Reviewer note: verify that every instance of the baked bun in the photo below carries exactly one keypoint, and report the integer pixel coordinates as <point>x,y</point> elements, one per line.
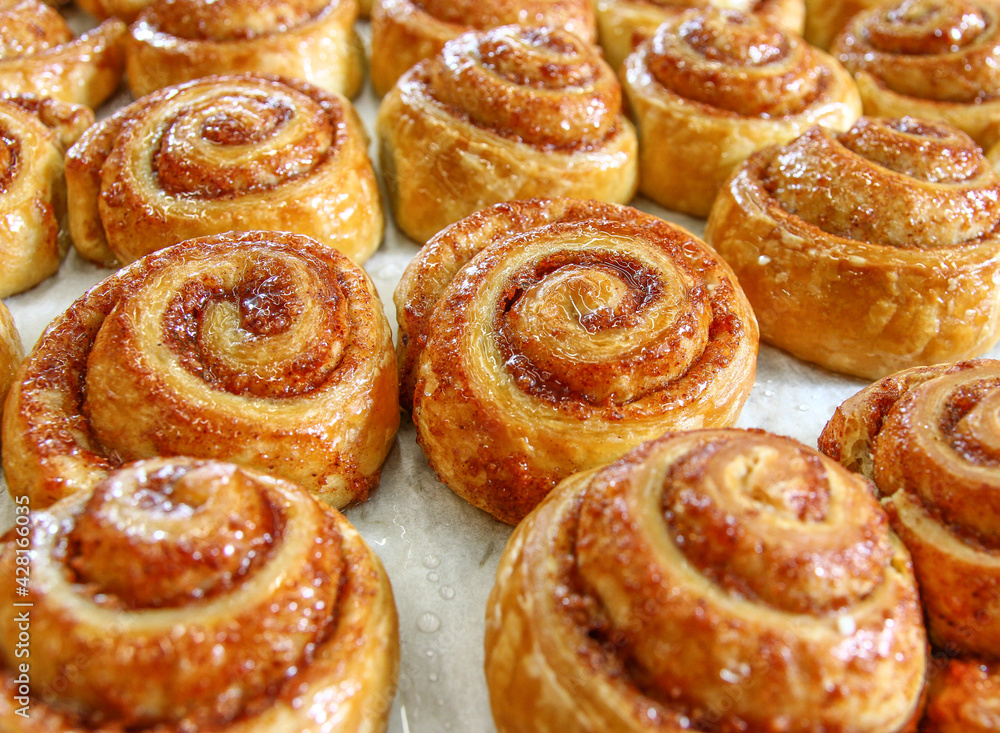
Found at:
<point>196,596</point>
<point>34,235</point>
<point>623,24</point>
<point>40,56</point>
<point>712,86</point>
<point>219,154</point>
<point>714,581</point>
<point>405,32</point>
<point>11,353</point>
<point>265,348</point>
<point>869,251</point>
<point>934,59</point>
<point>174,41</point>
<point>505,114</point>
<point>545,337</point>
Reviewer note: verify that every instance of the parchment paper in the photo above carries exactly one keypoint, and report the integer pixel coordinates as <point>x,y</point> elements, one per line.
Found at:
<point>441,554</point>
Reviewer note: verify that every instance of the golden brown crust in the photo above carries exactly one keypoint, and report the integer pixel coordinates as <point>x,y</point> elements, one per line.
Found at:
<point>712,86</point>
<point>505,114</point>
<point>174,41</point>
<point>826,18</point>
<point>932,59</point>
<point>198,596</point>
<point>405,32</point>
<point>34,237</point>
<point>928,438</point>
<point>265,348</point>
<point>219,154</point>
<point>11,353</point>
<point>38,55</point>
<point>623,24</point>
<point>712,581</point>
<point>963,698</point>
<point>569,338</point>
<point>868,251</point>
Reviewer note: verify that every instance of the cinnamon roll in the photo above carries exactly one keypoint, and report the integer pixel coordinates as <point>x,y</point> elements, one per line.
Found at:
<point>11,353</point>
<point>579,330</point>
<point>714,581</point>
<point>506,114</point>
<point>34,237</point>
<point>39,55</point>
<point>623,24</point>
<point>219,154</point>
<point>712,86</point>
<point>264,348</point>
<point>868,251</point>
<point>405,32</point>
<point>181,595</point>
<point>826,18</point>
<point>934,59</point>
<point>174,41</point>
<point>929,438</point>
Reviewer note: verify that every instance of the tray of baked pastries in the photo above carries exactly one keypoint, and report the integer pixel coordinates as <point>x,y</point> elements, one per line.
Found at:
<point>504,366</point>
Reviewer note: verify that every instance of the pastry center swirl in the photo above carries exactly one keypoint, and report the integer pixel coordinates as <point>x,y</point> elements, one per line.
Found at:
<point>233,144</point>
<point>230,20</point>
<point>599,327</point>
<point>918,27</point>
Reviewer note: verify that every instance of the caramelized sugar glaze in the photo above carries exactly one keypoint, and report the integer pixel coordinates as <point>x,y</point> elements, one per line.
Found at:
<point>541,337</point>
<point>715,581</point>
<point>181,595</point>
<point>261,347</point>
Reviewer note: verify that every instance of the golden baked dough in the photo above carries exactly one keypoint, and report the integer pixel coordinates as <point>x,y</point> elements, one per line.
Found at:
<point>714,581</point>
<point>405,32</point>
<point>506,114</point>
<point>34,237</point>
<point>127,10</point>
<point>219,154</point>
<point>39,55</point>
<point>622,24</point>
<point>929,437</point>
<point>579,330</point>
<point>263,348</point>
<point>932,59</point>
<point>174,41</point>
<point>869,251</point>
<point>11,353</point>
<point>195,596</point>
<point>712,86</point>
<point>826,18</point>
<point>963,698</point>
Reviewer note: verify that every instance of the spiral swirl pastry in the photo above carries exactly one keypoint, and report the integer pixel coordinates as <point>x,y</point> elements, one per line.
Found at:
<point>826,18</point>
<point>929,437</point>
<point>405,32</point>
<point>623,24</point>
<point>182,595</point>
<point>220,154</point>
<point>174,41</point>
<point>510,113</point>
<point>869,251</point>
<point>11,353</point>
<point>579,330</point>
<point>34,237</point>
<point>933,59</point>
<point>712,86</point>
<point>715,580</point>
<point>264,348</point>
<point>39,55</point>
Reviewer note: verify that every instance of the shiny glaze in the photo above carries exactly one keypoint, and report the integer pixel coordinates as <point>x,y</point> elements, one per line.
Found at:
<point>39,55</point>
<point>693,584</point>
<point>562,345</point>
<point>174,41</point>
<point>209,598</point>
<point>262,347</point>
<point>222,153</point>
<point>11,353</point>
